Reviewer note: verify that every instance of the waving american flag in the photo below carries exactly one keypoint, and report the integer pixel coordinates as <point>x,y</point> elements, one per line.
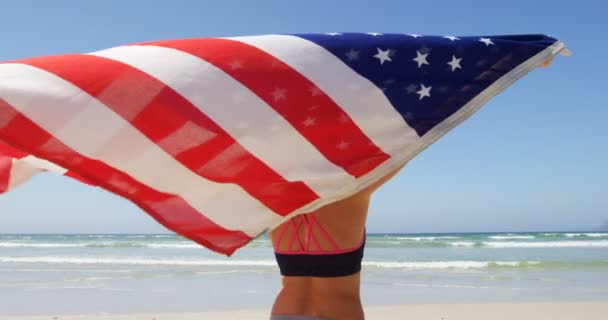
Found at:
<point>222,139</point>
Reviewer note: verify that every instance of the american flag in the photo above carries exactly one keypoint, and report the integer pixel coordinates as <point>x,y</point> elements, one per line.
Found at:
<point>223,139</point>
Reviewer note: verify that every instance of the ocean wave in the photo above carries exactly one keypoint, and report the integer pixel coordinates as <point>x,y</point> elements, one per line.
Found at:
<point>371,243</point>
<point>455,264</point>
<point>11,237</point>
<point>473,264</point>
<point>100,236</point>
<point>596,234</point>
<point>142,261</point>
<point>548,244</point>
<point>424,238</point>
<point>462,243</point>
<point>40,245</point>
<point>508,237</point>
<point>519,244</point>
<point>117,244</point>
<point>174,245</point>
<point>591,235</point>
<point>265,263</point>
<point>451,264</point>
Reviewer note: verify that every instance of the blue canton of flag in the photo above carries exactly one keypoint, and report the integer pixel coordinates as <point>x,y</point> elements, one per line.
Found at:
<point>429,78</point>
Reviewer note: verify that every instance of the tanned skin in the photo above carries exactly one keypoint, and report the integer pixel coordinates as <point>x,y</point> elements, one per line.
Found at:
<point>336,297</point>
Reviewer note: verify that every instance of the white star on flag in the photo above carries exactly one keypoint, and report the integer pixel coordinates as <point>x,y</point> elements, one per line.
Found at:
<point>342,118</point>
<point>421,58</point>
<point>314,91</point>
<point>411,88</point>
<point>452,38</point>
<point>414,35</point>
<point>236,65</point>
<point>352,55</point>
<point>487,41</point>
<point>424,91</point>
<point>455,63</point>
<point>375,34</point>
<point>279,94</point>
<point>342,145</point>
<point>383,55</point>
<point>310,121</point>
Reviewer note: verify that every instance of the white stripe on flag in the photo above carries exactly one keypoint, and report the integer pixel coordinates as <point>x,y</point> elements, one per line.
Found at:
<point>43,164</point>
<point>24,168</point>
<point>21,171</point>
<point>365,103</point>
<point>244,115</point>
<point>92,129</point>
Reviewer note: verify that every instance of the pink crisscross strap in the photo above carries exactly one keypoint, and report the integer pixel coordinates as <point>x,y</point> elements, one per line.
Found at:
<point>309,222</point>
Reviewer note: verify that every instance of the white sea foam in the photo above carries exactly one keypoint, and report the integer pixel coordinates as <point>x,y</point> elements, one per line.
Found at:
<point>426,238</point>
<point>508,237</point>
<point>462,244</point>
<point>592,235</point>
<point>588,234</point>
<point>381,242</point>
<point>547,244</point>
<point>432,285</point>
<point>40,245</point>
<point>105,244</point>
<point>174,245</point>
<point>263,263</point>
<point>137,261</point>
<point>448,264</point>
<point>9,236</point>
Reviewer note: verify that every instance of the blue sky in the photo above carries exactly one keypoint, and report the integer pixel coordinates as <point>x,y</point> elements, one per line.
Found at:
<point>533,158</point>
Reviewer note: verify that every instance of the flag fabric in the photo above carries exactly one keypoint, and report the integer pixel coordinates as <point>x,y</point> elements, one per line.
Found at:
<point>17,167</point>
<point>223,139</point>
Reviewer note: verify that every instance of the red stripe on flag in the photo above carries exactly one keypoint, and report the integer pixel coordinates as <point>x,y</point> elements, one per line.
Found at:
<point>5,172</point>
<point>75,176</point>
<point>169,210</point>
<point>158,111</point>
<point>7,150</point>
<point>293,96</point>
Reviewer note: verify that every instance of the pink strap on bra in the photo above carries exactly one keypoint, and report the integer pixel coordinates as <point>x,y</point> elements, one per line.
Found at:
<point>309,222</point>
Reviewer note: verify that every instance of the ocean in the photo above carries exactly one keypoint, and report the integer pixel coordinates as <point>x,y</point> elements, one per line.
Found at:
<point>124,273</point>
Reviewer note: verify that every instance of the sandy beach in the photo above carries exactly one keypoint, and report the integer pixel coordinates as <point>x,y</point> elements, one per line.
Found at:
<point>496,311</point>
